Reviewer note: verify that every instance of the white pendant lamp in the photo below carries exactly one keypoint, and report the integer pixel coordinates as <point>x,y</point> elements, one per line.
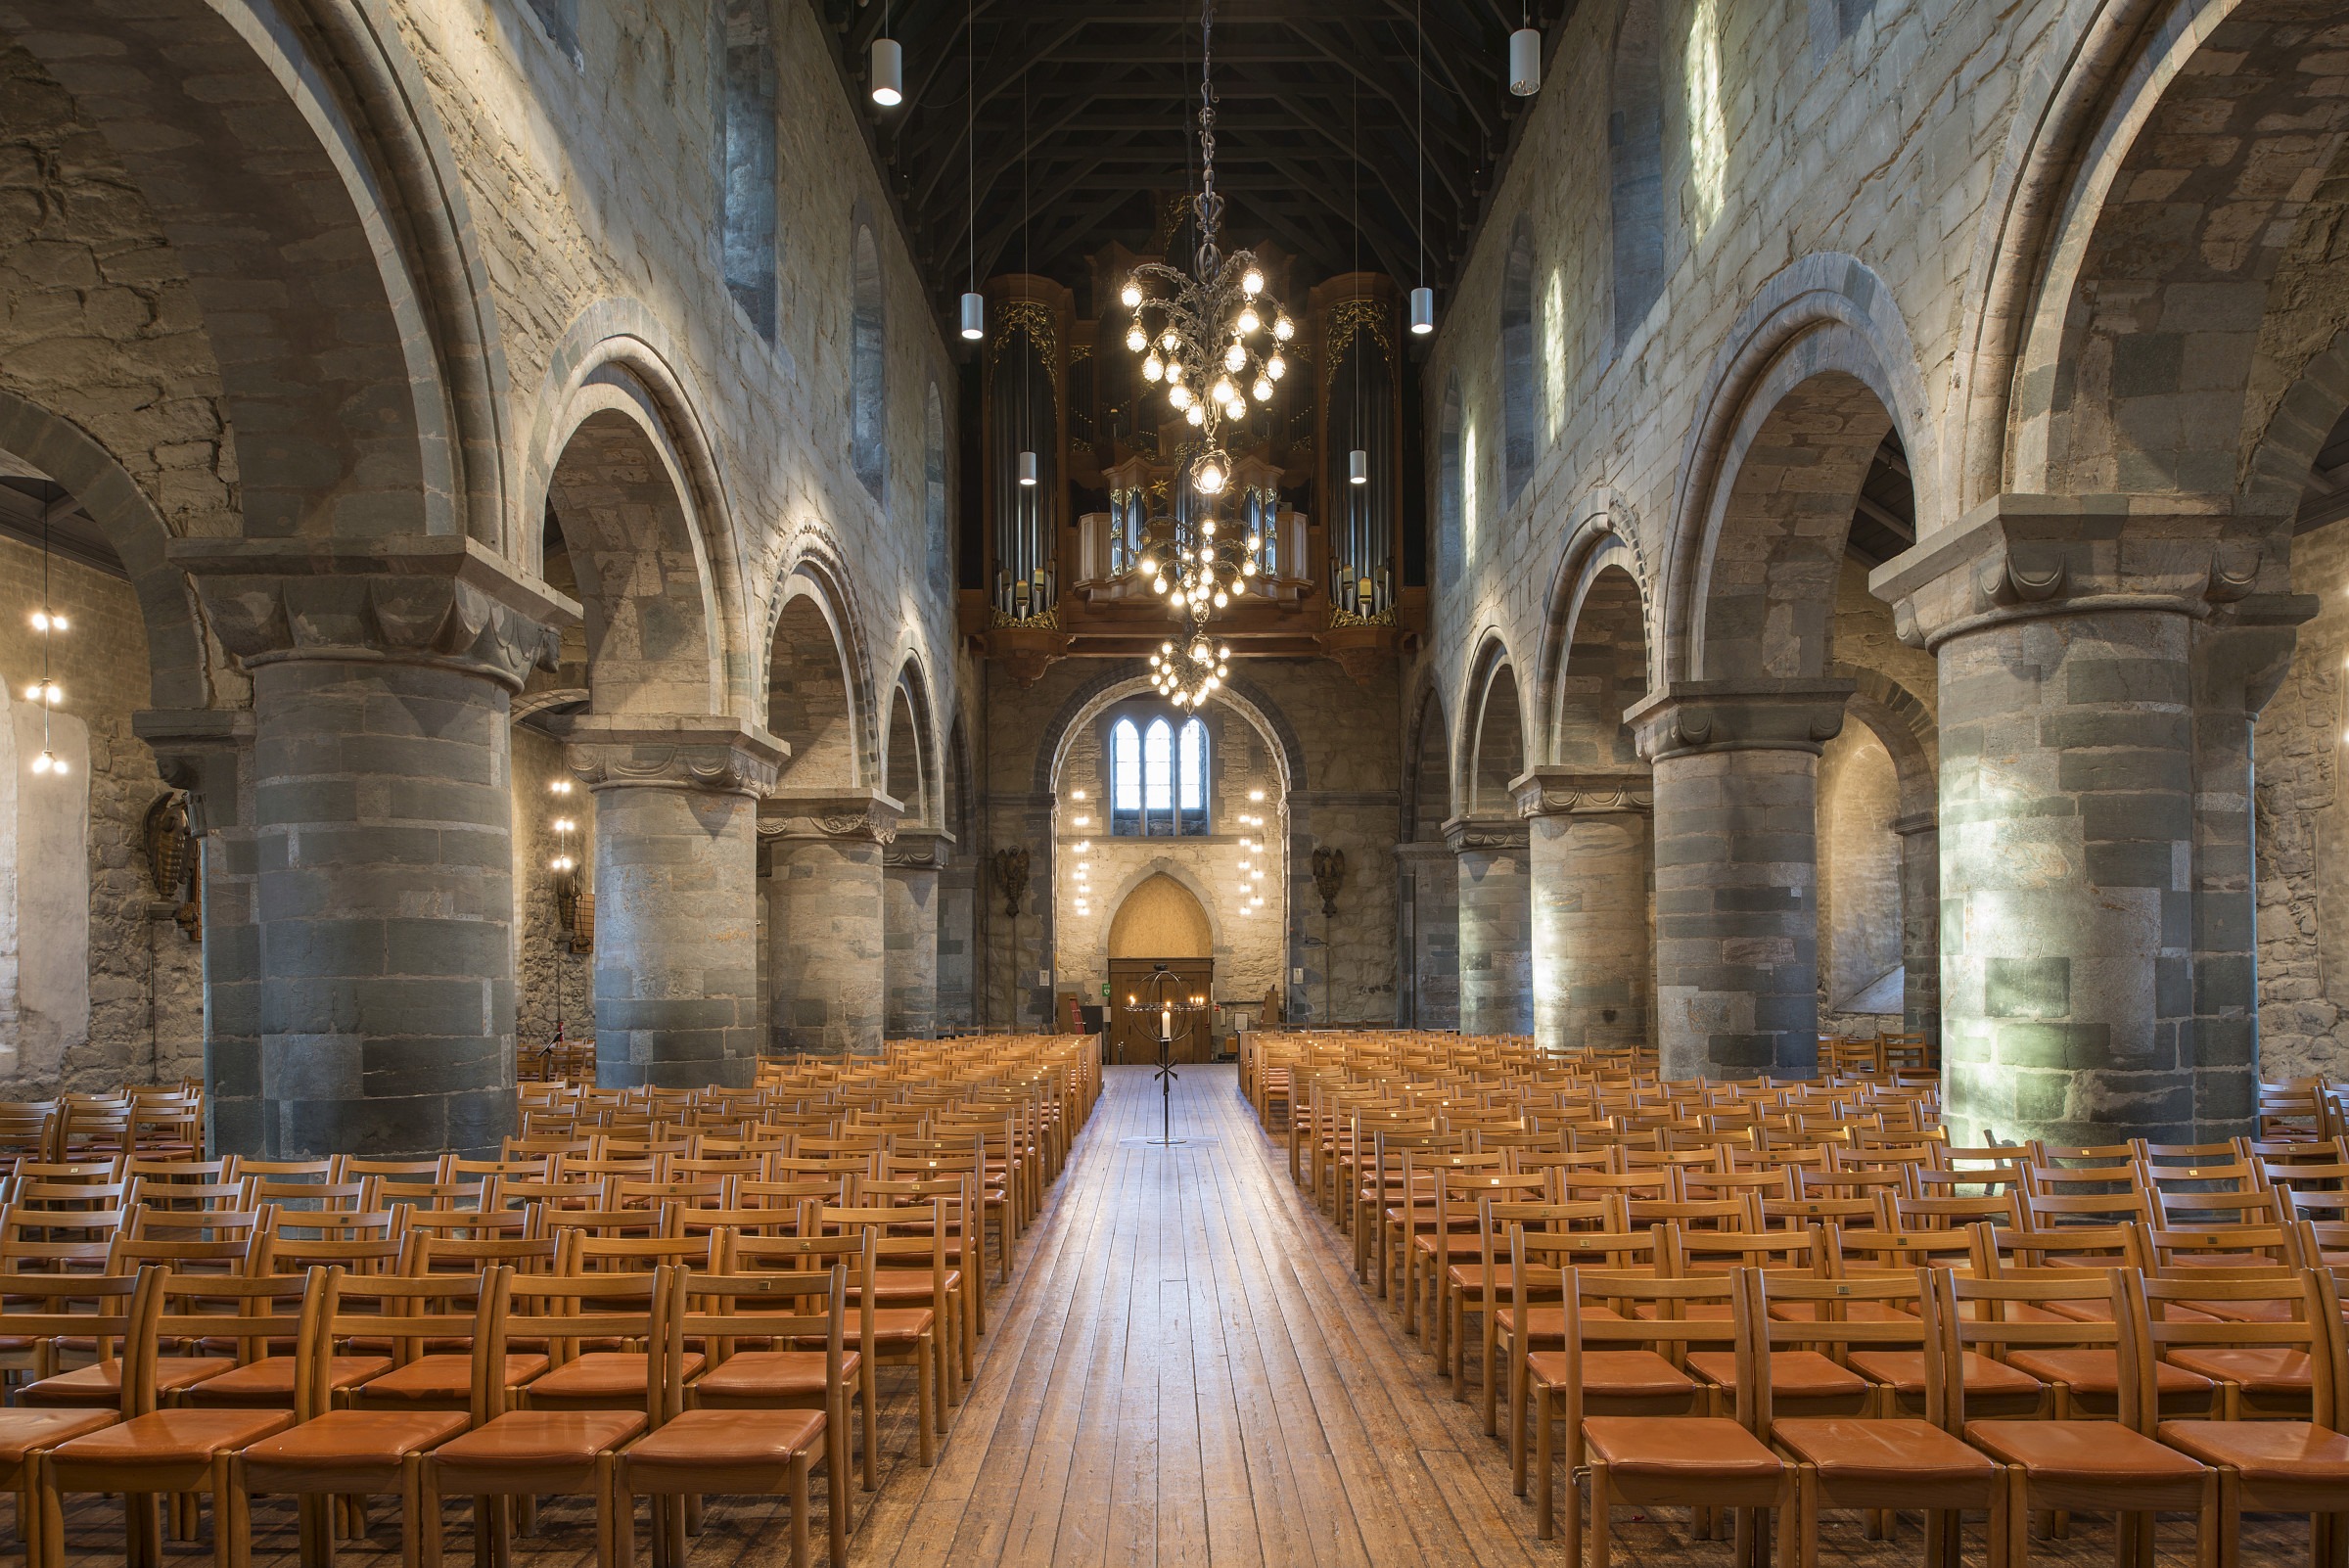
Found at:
<point>1028,469</point>
<point>1525,61</point>
<point>974,316</point>
<point>1357,467</point>
<point>1423,297</point>
<point>888,73</point>
<point>1423,312</point>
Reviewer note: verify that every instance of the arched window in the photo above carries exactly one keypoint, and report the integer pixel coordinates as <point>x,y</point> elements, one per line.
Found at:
<point>1636,152</point>
<point>1520,408</point>
<point>934,489</point>
<point>1158,779</point>
<point>869,395</point>
<point>1450,486</point>
<point>747,128</point>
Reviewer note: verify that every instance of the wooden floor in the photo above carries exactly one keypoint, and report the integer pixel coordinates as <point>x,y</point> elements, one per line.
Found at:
<point>1184,1373</point>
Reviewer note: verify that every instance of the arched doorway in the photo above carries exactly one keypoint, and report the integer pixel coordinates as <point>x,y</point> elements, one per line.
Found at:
<point>1161,924</point>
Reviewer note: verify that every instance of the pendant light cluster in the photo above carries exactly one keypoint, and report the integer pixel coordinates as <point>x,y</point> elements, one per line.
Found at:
<point>50,626</point>
<point>1188,674</point>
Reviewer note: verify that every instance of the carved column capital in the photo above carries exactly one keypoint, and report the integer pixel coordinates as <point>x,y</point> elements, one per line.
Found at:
<point>1489,834</point>
<point>919,849</point>
<point>848,814</point>
<point>2018,556</point>
<point>1421,851</point>
<point>425,599</point>
<point>1734,715</point>
<point>206,752</point>
<point>1582,792</point>
<point>693,752</point>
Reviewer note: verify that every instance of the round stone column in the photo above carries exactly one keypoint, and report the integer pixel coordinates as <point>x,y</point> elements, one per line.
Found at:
<point>957,944</point>
<point>909,921</point>
<point>1588,839</point>
<point>676,914</point>
<point>1430,934</point>
<point>1496,953</point>
<point>1736,857</point>
<point>826,932</point>
<point>2082,910</point>
<point>1920,925</point>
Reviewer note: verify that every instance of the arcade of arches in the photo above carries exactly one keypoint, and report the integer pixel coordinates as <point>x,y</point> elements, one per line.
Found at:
<point>1863,548</point>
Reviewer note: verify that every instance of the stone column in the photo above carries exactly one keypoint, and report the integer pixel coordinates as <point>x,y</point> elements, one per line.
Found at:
<point>825,930</point>
<point>1588,841</point>
<point>2071,914</point>
<point>957,944</point>
<point>1920,924</point>
<point>208,752</point>
<point>383,672</point>
<point>676,911</point>
<point>1430,929</point>
<point>1496,991</point>
<point>909,922</point>
<point>1737,794</point>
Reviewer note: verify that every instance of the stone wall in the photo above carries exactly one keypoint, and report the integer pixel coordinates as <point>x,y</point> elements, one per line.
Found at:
<point>540,952</point>
<point>146,1015</point>
<point>1859,886</point>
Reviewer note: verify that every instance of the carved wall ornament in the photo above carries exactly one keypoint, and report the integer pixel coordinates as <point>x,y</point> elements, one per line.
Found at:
<point>1575,792</point>
<point>840,814</point>
<point>722,756</point>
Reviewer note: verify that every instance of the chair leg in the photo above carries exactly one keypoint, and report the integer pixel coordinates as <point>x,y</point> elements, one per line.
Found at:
<point>1516,1419</point>
<point>2018,1518</point>
<point>614,1546</point>
<point>865,1377</point>
<point>1602,1506</point>
<point>836,1461</point>
<point>924,1408</point>
<point>798,1512</point>
<point>837,1546</point>
<point>2207,1544</point>
<point>1489,1333</point>
<point>413,1545</point>
<point>1544,1527</point>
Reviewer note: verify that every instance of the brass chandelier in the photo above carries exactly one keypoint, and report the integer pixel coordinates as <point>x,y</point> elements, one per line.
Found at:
<point>1214,339</point>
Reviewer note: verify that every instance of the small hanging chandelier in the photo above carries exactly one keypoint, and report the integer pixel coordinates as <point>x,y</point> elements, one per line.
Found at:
<point>1210,337</point>
<point>1187,673</point>
<point>50,624</point>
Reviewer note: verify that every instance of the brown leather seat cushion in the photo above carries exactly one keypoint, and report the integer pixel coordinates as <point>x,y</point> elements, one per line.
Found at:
<point>771,1374</point>
<point>2080,1452</point>
<point>445,1378</point>
<point>1793,1374</point>
<point>166,1437</point>
<point>531,1440</point>
<point>269,1383</point>
<point>2098,1372</point>
<point>717,1451</point>
<point>101,1382</point>
<point>1853,1446</point>
<point>1623,1374</point>
<point>900,1324</point>
<point>357,1445</point>
<point>1692,1447</point>
<point>1904,1372</point>
<point>2273,1452</point>
<point>2259,1368</point>
<point>602,1375</point>
<point>24,1431</point>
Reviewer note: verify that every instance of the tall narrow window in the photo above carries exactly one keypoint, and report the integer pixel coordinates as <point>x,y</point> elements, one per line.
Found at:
<point>747,127</point>
<point>1636,152</point>
<point>1451,485</point>
<point>933,489</point>
<point>1519,405</point>
<point>1125,779</point>
<point>1190,795</point>
<point>868,402</point>
<point>1158,778</point>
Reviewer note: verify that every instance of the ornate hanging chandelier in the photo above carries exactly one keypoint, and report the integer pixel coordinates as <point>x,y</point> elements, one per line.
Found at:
<point>1212,338</point>
<point>1186,673</point>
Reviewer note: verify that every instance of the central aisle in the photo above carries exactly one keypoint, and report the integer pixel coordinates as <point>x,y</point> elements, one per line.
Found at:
<point>1188,1373</point>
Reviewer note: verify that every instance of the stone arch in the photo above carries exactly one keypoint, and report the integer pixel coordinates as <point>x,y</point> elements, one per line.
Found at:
<point>816,698</point>
<point>1598,601</point>
<point>868,366</point>
<point>1167,894</point>
<point>1817,369</point>
<point>954,784</point>
<point>1426,768</point>
<point>1635,162</point>
<point>1120,683</point>
<point>1491,748</point>
<point>179,655</point>
<point>2158,224</point>
<point>1905,725</point>
<point>304,182</point>
<point>909,752</point>
<point>1520,389</point>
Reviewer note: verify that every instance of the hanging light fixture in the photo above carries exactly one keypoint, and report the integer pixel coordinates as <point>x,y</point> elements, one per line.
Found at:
<point>1357,467</point>
<point>1423,297</point>
<point>889,66</point>
<point>974,304</point>
<point>1028,469</point>
<point>1524,57</point>
<point>49,623</point>
<point>1188,672</point>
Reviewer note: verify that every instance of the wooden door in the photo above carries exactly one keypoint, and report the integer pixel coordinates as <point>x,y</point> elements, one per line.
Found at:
<point>1134,1025</point>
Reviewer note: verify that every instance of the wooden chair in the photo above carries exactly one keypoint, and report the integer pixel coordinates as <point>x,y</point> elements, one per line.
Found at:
<point>159,1450</point>
<point>339,1452</point>
<point>912,1330</point>
<point>42,1309</point>
<point>2111,1467</point>
<point>787,1377</point>
<point>1535,1276</point>
<point>533,1452</point>
<point>755,1449</point>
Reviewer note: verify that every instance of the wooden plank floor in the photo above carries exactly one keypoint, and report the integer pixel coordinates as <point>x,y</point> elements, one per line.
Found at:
<point>1184,1373</point>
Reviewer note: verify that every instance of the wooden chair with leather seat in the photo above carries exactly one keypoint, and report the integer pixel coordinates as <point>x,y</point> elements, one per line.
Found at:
<point>337,1451</point>
<point>2298,1463</point>
<point>2066,1463</point>
<point>917,1197</point>
<point>780,1376</point>
<point>1485,1286</point>
<point>726,1448</point>
<point>1450,1255</point>
<point>1628,1411</point>
<point>39,1309</point>
<point>909,1328</point>
<point>168,1450</point>
<point>1877,1460</point>
<point>1533,1321</point>
<point>523,1454</point>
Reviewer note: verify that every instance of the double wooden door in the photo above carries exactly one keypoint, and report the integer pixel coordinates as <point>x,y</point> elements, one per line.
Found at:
<point>1134,1024</point>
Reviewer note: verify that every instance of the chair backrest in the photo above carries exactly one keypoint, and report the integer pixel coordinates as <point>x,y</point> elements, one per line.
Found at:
<point>2293,1310</point>
<point>106,1308</point>
<point>572,1311</point>
<point>1975,1314</point>
<point>1670,1317</point>
<point>1822,1320</point>
<point>414,1316</point>
<point>717,1309</point>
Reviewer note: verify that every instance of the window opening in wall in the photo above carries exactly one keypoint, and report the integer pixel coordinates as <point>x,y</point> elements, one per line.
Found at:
<point>748,197</point>
<point>1635,154</point>
<point>1191,774</point>
<point>868,413</point>
<point>1158,779</point>
<point>1450,487</point>
<point>558,19</point>
<point>1125,779</point>
<point>1520,437</point>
